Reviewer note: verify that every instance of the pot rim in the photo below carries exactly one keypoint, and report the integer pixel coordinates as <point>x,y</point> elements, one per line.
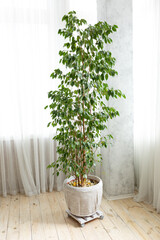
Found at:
<point>83,189</point>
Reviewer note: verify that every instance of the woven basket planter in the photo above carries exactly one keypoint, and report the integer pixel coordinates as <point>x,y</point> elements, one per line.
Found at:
<point>83,201</point>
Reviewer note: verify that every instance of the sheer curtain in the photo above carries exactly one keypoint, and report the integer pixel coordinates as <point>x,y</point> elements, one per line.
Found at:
<point>29,47</point>
<point>28,53</point>
<point>147,99</point>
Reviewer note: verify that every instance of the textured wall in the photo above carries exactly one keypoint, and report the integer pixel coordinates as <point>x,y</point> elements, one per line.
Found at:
<point>117,171</point>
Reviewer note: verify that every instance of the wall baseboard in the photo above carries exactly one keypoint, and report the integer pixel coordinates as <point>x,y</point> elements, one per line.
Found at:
<point>130,195</point>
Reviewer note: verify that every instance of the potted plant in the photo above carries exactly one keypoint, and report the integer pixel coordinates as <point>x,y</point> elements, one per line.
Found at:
<point>78,109</point>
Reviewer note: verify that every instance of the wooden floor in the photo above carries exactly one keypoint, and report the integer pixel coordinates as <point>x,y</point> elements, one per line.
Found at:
<point>43,217</point>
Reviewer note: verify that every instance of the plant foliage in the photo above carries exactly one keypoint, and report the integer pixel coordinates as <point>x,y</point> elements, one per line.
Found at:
<point>77,108</point>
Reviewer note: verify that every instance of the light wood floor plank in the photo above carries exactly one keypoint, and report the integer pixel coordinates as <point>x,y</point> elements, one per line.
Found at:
<point>149,208</point>
<point>143,218</point>
<point>95,230</point>
<point>37,229</point>
<point>14,219</point>
<point>47,218</point>
<point>120,231</point>
<point>109,226</point>
<point>61,227</point>
<point>122,211</point>
<point>4,216</point>
<point>44,217</point>
<point>25,218</point>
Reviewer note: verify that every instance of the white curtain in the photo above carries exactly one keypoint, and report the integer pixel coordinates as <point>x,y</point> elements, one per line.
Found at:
<point>29,46</point>
<point>28,53</point>
<point>146,52</point>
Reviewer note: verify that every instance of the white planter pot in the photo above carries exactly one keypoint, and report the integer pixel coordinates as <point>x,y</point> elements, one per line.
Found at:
<point>83,201</point>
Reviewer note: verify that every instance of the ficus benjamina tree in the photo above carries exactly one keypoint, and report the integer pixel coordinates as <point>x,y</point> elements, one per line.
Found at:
<point>77,108</point>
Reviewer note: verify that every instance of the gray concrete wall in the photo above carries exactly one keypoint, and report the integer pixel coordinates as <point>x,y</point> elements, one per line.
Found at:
<point>117,169</point>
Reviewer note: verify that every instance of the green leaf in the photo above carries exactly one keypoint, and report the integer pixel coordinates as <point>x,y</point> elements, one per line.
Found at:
<point>65,18</point>
<point>66,45</point>
<point>48,124</point>
<point>106,76</point>
<point>114,28</point>
<point>83,21</point>
<point>102,76</point>
<point>107,96</point>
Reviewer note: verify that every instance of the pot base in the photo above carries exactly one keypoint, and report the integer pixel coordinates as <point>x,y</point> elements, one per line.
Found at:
<point>83,220</point>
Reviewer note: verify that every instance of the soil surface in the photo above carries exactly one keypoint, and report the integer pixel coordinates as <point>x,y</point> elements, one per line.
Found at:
<point>87,183</point>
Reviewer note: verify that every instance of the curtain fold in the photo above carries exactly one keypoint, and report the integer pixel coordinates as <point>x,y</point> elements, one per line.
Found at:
<point>147,100</point>
<point>29,48</point>
<point>23,166</point>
